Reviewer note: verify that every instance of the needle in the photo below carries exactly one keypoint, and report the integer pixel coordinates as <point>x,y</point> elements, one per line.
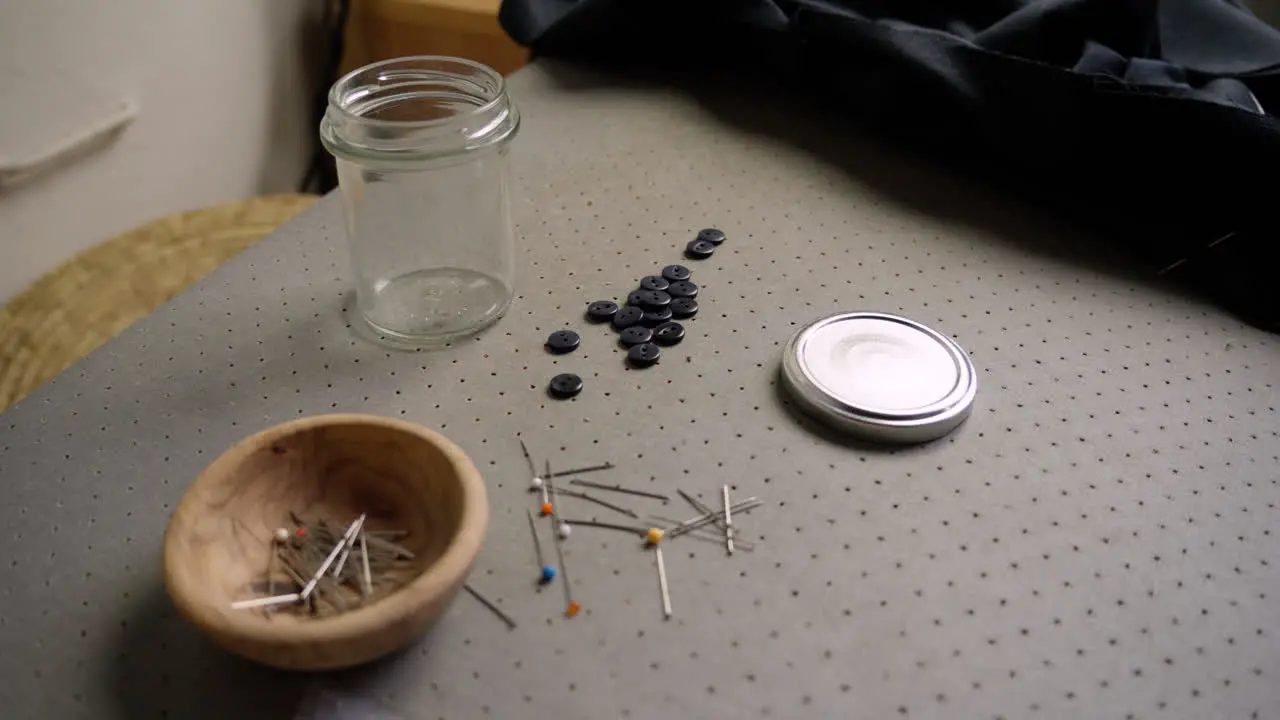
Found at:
<point>572,607</point>
<point>728,522</point>
<point>265,601</point>
<point>695,523</point>
<point>662,583</point>
<point>548,572</point>
<point>618,488</point>
<point>596,500</point>
<point>581,470</point>
<point>333,554</point>
<point>611,526</point>
<point>489,604</point>
<point>697,505</point>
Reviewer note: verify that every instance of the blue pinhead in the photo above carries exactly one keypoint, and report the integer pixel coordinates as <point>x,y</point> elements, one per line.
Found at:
<point>548,573</point>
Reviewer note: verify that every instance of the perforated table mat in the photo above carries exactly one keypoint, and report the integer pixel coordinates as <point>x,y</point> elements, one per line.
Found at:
<point>1099,540</point>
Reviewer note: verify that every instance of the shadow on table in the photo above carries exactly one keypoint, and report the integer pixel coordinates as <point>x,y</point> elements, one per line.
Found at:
<point>896,172</point>
<point>164,668</point>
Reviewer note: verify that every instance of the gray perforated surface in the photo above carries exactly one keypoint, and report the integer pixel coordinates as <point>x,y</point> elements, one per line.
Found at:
<point>1095,542</point>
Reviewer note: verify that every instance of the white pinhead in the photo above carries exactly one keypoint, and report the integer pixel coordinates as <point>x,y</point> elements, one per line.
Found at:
<point>565,530</point>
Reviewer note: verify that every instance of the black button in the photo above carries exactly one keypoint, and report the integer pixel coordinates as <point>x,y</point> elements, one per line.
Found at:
<point>628,316</point>
<point>653,282</point>
<point>643,355</point>
<point>563,341</point>
<point>684,307</point>
<point>602,310</point>
<point>711,235</point>
<point>653,299</point>
<point>683,288</point>
<point>636,335</point>
<point>676,272</point>
<point>565,386</point>
<point>699,249</point>
<point>668,333</point>
<point>654,318</point>
<point>635,298</point>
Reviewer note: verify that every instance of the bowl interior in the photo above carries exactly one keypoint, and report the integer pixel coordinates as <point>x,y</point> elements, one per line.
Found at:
<point>333,471</point>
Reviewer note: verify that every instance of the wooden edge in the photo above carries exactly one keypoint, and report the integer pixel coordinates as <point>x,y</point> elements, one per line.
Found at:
<point>444,577</point>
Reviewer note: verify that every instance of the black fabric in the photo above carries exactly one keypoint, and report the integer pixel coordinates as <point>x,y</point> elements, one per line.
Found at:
<point>1143,119</point>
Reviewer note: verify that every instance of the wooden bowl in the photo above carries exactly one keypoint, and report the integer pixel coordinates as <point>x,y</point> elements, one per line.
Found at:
<point>405,477</point>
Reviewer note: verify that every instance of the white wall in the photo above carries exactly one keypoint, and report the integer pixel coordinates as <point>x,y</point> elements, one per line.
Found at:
<point>223,89</point>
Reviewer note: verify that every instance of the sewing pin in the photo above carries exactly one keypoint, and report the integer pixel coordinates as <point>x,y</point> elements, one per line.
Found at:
<point>387,545</point>
<point>548,573</point>
<point>333,554</point>
<point>633,529</point>
<point>347,543</point>
<point>279,537</point>
<point>266,601</point>
<point>547,507</point>
<point>489,604</point>
<point>571,607</point>
<point>582,470</point>
<point>596,500</point>
<point>662,583</point>
<point>697,505</point>
<point>535,482</point>
<point>366,588</point>
<point>618,488</point>
<point>706,519</point>
<point>728,522</point>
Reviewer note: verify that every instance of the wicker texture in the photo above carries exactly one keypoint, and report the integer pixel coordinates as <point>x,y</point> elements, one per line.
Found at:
<point>81,304</point>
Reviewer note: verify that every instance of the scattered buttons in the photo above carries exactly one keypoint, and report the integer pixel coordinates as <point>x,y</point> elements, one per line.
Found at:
<point>676,272</point>
<point>683,288</point>
<point>636,335</point>
<point>636,297</point>
<point>711,235</point>
<point>563,341</point>
<point>565,386</point>
<point>654,318</point>
<point>644,355</point>
<point>653,282</point>
<point>668,333</point>
<point>653,299</point>
<point>699,249</point>
<point>627,316</point>
<point>602,310</point>
<point>683,307</point>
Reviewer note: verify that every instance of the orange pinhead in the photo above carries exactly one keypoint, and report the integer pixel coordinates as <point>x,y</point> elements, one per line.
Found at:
<point>573,609</point>
<point>546,508</point>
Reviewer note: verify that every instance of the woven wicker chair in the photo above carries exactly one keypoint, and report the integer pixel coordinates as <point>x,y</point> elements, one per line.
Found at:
<point>84,302</point>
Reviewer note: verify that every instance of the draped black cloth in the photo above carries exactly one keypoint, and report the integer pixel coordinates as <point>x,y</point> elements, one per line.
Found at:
<point>1146,120</point>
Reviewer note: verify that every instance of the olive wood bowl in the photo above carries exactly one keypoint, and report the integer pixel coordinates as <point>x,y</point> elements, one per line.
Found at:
<point>218,544</point>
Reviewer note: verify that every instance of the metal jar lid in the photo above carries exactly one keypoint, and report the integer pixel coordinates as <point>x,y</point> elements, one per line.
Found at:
<point>880,376</point>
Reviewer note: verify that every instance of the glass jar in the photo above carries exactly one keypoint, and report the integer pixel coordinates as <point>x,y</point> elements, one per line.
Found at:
<point>421,148</point>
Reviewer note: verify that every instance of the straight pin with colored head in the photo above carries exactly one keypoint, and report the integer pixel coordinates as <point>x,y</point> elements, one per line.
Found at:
<point>571,608</point>
<point>547,573</point>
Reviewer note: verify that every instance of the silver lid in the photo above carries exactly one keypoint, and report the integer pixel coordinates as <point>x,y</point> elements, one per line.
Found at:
<point>880,376</point>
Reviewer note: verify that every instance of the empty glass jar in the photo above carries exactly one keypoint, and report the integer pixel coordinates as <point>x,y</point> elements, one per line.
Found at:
<point>421,148</point>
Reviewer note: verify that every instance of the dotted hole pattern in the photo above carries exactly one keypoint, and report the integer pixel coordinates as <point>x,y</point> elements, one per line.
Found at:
<point>1096,541</point>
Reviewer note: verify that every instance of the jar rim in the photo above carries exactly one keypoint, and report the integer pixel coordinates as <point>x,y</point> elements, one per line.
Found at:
<point>344,85</point>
